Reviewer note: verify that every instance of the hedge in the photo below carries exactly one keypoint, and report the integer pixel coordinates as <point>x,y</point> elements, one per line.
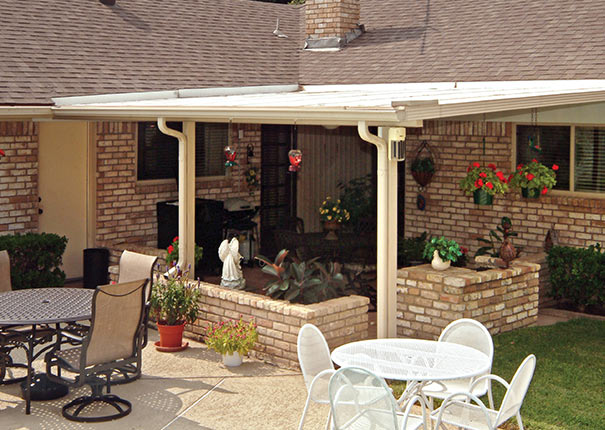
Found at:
<point>35,259</point>
<point>578,274</point>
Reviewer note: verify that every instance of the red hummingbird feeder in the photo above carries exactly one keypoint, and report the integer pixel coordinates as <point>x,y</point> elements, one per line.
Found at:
<point>295,156</point>
<point>230,155</point>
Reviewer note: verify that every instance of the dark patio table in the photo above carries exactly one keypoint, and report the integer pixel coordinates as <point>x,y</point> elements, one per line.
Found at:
<point>40,306</point>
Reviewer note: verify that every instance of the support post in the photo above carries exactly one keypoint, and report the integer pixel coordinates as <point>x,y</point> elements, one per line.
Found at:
<point>189,248</point>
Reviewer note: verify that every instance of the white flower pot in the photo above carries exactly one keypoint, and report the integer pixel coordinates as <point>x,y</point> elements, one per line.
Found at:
<point>437,263</point>
<point>232,360</point>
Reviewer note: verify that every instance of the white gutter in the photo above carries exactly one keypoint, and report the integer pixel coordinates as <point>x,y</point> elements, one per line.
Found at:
<point>25,112</point>
<point>183,239</point>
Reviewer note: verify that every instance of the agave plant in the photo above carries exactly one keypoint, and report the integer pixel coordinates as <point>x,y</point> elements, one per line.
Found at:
<point>302,282</point>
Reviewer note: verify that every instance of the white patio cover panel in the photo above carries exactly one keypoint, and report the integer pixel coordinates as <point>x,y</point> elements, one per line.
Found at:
<point>386,104</point>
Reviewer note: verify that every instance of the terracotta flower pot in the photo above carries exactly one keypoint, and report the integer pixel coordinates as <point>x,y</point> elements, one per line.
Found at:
<point>171,336</point>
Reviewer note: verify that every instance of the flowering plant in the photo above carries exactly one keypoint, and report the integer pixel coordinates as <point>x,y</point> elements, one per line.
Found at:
<point>252,177</point>
<point>331,210</point>
<point>231,336</point>
<point>172,252</point>
<point>534,175</point>
<point>487,178</point>
<point>174,300</point>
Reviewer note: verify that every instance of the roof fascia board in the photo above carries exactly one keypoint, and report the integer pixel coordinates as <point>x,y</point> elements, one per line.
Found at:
<point>172,94</point>
<point>318,116</point>
<point>423,110</point>
<point>25,112</point>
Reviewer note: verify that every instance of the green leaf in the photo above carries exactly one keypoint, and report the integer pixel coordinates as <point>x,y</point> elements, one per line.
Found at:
<point>292,294</point>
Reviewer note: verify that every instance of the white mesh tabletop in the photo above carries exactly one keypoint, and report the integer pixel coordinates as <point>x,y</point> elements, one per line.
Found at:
<point>45,305</point>
<point>413,359</point>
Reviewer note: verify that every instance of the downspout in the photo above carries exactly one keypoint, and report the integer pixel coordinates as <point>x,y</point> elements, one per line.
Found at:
<point>382,229</point>
<point>182,177</point>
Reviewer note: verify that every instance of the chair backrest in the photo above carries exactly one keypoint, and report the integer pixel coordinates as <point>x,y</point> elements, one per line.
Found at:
<point>470,333</point>
<point>135,266</point>
<point>361,400</point>
<point>5,272</point>
<point>513,399</point>
<point>117,322</point>
<point>313,352</point>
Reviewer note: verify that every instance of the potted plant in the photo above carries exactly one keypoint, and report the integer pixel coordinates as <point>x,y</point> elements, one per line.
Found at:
<point>534,178</point>
<point>423,169</point>
<point>172,254</point>
<point>442,251</point>
<point>174,302</point>
<point>332,214</point>
<point>483,182</point>
<point>232,339</point>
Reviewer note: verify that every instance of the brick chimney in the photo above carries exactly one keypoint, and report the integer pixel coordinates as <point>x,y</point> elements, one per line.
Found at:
<point>334,21</point>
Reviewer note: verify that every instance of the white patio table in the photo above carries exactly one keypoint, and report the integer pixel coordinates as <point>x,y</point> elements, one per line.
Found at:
<point>416,361</point>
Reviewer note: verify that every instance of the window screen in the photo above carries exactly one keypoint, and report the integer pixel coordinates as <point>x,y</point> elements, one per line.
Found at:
<point>158,153</point>
<point>554,142</point>
<point>590,159</point>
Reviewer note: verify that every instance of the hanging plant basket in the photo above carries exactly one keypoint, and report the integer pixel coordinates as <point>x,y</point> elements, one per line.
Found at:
<point>530,193</point>
<point>423,165</point>
<point>482,197</point>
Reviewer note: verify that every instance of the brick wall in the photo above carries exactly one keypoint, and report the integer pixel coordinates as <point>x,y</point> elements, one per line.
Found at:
<point>126,208</point>
<point>19,177</point>
<point>331,18</point>
<point>578,221</point>
<point>501,299</point>
<point>341,320</point>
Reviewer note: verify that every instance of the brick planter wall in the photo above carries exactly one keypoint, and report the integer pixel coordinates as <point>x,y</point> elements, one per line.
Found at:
<point>341,320</point>
<point>455,144</point>
<point>19,177</point>
<point>501,299</point>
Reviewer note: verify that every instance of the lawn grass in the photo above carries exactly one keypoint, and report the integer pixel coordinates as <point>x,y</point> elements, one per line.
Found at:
<point>568,389</point>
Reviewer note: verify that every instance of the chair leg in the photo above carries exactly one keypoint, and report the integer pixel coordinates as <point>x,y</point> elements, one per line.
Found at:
<point>490,397</point>
<point>519,421</point>
<point>304,414</point>
<point>329,421</point>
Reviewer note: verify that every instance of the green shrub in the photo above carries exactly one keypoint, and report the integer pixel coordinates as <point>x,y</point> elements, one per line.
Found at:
<point>447,249</point>
<point>410,249</point>
<point>35,259</point>
<point>578,274</point>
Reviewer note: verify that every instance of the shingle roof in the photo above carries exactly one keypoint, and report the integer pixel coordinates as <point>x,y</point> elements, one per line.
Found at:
<point>54,48</point>
<point>462,40</point>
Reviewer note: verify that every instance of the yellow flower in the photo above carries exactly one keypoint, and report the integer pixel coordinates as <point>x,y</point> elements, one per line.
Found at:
<point>329,217</point>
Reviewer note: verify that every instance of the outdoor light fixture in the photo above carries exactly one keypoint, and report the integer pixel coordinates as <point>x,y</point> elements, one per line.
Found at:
<point>230,155</point>
<point>397,143</point>
<point>295,156</point>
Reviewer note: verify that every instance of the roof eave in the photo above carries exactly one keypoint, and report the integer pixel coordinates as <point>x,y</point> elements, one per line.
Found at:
<point>25,112</point>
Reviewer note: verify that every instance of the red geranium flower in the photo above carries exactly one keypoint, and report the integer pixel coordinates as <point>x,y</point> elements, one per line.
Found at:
<point>510,177</point>
<point>479,183</point>
<point>2,153</point>
<point>530,176</point>
<point>544,190</point>
<point>492,166</point>
<point>170,249</point>
<point>463,249</point>
<point>500,176</point>
<point>555,167</point>
<point>520,166</point>
<point>534,161</point>
<point>175,238</point>
<point>476,165</point>
<point>483,175</point>
<point>490,185</point>
<point>468,169</point>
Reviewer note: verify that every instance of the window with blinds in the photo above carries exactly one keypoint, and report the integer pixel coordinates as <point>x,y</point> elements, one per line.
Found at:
<point>589,172</point>
<point>554,143</point>
<point>158,153</point>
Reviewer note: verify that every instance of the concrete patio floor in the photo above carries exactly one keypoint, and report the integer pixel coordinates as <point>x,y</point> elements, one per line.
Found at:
<point>192,389</point>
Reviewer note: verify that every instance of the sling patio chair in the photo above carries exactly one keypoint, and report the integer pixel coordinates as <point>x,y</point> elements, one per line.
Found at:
<point>111,343</point>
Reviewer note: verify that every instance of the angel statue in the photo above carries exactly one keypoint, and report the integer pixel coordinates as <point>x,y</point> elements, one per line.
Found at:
<point>229,254</point>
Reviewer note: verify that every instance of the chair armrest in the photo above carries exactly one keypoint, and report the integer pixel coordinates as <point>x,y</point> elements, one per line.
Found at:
<point>490,377</point>
<point>321,375</point>
<point>466,396</point>
<point>69,335</point>
<point>415,399</point>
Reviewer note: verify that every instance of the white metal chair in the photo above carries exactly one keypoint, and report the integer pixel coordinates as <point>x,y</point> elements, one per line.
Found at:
<point>470,333</point>
<point>316,366</point>
<point>362,400</point>
<point>466,410</point>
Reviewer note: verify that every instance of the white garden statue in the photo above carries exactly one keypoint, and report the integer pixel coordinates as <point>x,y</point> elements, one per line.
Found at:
<point>229,254</point>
